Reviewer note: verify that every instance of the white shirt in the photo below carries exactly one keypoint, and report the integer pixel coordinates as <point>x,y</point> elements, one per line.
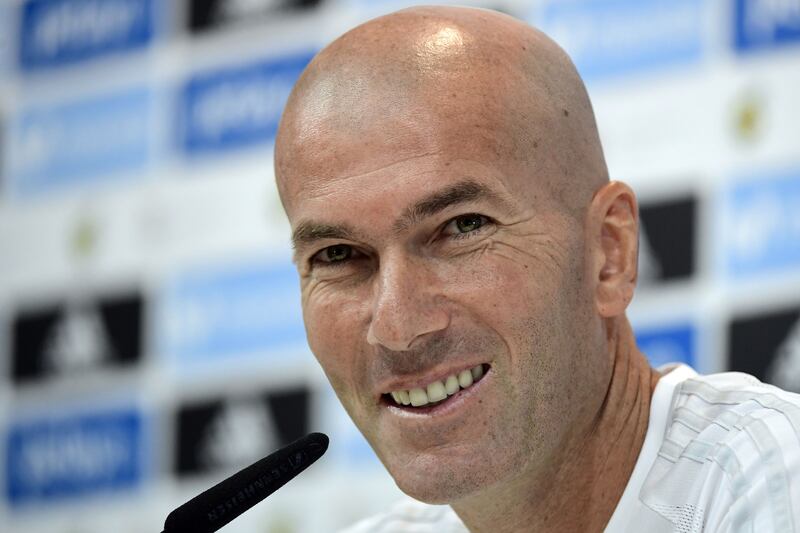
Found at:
<point>721,454</point>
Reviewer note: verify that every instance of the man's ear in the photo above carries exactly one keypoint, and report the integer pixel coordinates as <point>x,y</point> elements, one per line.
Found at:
<point>613,234</point>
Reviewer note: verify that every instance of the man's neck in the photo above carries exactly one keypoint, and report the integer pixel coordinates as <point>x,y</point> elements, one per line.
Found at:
<point>581,492</point>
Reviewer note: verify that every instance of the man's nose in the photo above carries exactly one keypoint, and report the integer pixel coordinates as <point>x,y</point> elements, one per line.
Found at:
<point>407,305</point>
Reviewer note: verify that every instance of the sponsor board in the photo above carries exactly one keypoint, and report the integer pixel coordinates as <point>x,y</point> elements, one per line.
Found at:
<point>761,225</point>
<point>230,432</point>
<point>767,345</point>
<point>612,37</point>
<point>80,143</point>
<point>3,184</point>
<point>72,456</point>
<point>668,344</point>
<point>764,24</point>
<point>748,116</point>
<point>237,107</point>
<point>7,31</point>
<point>667,240</point>
<point>211,14</point>
<point>73,337</point>
<point>62,32</point>
<point>241,309</point>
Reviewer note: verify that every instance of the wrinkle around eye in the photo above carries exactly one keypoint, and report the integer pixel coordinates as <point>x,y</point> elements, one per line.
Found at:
<point>325,270</point>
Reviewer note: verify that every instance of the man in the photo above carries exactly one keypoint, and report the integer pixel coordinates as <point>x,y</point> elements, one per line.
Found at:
<point>465,266</point>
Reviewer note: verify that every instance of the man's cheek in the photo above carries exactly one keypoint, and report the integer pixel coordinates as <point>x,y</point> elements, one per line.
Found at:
<point>325,348</point>
<point>333,345</point>
<point>499,283</point>
<point>322,318</point>
<point>340,378</point>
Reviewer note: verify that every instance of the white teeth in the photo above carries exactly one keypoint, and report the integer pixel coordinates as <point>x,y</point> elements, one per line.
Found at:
<point>438,390</point>
<point>418,397</point>
<point>451,385</point>
<point>405,398</point>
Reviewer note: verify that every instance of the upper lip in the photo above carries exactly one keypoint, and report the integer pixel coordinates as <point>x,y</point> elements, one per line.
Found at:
<point>421,380</point>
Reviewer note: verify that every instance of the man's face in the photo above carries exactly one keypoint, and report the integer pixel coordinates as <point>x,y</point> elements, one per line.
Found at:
<point>424,251</point>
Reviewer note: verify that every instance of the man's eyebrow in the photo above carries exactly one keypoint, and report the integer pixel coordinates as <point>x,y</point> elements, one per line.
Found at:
<point>307,232</point>
<point>458,193</point>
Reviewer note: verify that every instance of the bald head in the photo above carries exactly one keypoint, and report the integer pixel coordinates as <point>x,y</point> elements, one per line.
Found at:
<point>474,79</point>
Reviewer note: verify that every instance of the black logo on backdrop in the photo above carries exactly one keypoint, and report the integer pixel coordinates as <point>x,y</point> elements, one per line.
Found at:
<point>75,336</point>
<point>207,14</point>
<point>767,346</point>
<point>667,240</point>
<point>224,433</point>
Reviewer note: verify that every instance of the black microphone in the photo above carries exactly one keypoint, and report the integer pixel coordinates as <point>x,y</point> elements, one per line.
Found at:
<point>212,509</point>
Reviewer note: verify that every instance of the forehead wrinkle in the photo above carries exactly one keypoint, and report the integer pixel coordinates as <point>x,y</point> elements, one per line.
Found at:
<point>315,186</point>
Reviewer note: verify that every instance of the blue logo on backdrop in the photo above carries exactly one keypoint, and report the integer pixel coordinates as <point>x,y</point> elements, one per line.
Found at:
<point>669,344</point>
<point>59,32</point>
<point>766,23</point>
<point>610,37</point>
<point>252,308</point>
<point>69,457</point>
<point>237,107</point>
<point>79,142</point>
<point>762,223</point>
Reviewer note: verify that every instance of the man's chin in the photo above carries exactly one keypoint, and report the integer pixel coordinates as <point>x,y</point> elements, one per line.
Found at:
<point>433,494</point>
<point>438,484</point>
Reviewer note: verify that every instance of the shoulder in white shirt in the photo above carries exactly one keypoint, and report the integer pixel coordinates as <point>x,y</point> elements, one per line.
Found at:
<point>721,454</point>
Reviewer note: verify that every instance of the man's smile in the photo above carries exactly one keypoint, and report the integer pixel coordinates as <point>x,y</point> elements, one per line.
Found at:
<point>436,396</point>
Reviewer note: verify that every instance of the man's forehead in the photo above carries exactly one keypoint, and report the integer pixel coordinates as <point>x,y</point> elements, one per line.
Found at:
<point>355,103</point>
<point>418,138</point>
<point>397,181</point>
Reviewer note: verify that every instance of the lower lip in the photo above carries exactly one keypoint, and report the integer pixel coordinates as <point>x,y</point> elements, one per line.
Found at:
<point>450,405</point>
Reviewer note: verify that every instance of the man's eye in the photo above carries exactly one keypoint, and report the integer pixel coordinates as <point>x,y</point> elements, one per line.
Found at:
<point>334,254</point>
<point>465,224</point>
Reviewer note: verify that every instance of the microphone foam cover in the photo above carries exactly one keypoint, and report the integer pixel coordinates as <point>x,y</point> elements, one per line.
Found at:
<point>212,509</point>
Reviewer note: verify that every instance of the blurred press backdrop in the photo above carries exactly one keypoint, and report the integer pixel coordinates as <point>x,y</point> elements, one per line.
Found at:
<point>150,331</point>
